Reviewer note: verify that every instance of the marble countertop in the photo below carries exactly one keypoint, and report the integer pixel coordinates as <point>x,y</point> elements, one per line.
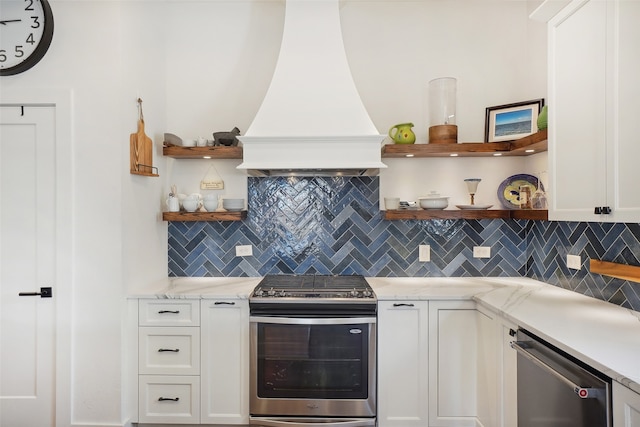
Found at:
<point>198,288</point>
<point>601,334</point>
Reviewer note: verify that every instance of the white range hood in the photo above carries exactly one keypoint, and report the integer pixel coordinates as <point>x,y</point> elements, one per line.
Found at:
<point>312,120</point>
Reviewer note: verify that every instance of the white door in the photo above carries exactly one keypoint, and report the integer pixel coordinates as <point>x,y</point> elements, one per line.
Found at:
<point>27,264</point>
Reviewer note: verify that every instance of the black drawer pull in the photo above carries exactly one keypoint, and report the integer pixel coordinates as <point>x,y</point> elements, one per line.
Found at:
<point>169,312</point>
<point>402,304</point>
<point>172,350</point>
<point>224,303</point>
<point>165,399</point>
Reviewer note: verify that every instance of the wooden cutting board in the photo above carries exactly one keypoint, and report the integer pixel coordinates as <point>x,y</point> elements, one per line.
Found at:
<point>141,150</point>
<point>141,146</point>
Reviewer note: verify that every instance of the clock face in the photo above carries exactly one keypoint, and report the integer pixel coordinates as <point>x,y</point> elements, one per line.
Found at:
<point>26,30</point>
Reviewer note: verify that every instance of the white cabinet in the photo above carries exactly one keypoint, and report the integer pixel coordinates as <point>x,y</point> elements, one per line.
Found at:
<point>507,393</point>
<point>593,102</point>
<point>402,363</point>
<point>193,361</point>
<point>169,361</point>
<point>462,372</point>
<point>225,361</point>
<point>626,406</point>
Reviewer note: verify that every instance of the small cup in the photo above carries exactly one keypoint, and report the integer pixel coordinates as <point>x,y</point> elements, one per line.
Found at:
<point>391,203</point>
<point>201,141</point>
<point>189,142</point>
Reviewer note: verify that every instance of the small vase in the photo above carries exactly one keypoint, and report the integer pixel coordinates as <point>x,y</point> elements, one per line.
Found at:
<point>542,118</point>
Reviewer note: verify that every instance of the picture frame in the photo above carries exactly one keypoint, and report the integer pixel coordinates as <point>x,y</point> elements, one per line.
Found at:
<point>512,121</point>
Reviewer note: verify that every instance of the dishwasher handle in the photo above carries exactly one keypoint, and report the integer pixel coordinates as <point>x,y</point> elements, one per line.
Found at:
<point>582,392</point>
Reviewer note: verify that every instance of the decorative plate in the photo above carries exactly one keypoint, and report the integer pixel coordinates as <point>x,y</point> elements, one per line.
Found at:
<point>509,189</point>
<point>472,207</point>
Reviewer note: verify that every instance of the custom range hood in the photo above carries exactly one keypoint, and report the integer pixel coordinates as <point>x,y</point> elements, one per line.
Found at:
<point>312,120</point>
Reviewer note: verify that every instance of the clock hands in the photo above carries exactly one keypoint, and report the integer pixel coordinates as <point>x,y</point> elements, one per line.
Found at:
<point>10,20</point>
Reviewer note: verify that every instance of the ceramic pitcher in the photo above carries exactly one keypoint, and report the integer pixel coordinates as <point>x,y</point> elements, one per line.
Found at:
<point>402,133</point>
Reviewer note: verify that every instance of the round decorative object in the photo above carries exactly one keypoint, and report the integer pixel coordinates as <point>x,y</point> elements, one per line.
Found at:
<point>509,189</point>
<point>26,28</point>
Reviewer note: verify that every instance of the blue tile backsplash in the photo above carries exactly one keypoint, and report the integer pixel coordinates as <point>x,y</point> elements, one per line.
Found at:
<point>333,225</point>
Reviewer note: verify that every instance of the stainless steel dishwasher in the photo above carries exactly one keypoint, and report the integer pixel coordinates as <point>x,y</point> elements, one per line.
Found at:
<point>556,390</point>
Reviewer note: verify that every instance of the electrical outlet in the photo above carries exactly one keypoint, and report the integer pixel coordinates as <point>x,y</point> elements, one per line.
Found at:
<point>424,253</point>
<point>574,262</point>
<point>244,250</point>
<point>482,251</point>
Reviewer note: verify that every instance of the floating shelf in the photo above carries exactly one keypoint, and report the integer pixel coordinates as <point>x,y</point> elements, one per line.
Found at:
<point>143,173</point>
<point>613,269</point>
<point>217,152</point>
<point>204,216</point>
<point>426,214</point>
<point>526,146</point>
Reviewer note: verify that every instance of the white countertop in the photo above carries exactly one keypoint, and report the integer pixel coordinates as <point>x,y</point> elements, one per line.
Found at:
<point>604,335</point>
<point>198,288</point>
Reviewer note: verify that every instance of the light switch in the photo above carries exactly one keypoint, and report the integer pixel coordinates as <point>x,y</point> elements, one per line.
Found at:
<point>482,251</point>
<point>244,250</point>
<point>424,253</point>
<point>574,262</point>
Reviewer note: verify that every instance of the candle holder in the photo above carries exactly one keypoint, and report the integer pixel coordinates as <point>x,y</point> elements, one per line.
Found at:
<point>472,187</point>
<point>442,111</point>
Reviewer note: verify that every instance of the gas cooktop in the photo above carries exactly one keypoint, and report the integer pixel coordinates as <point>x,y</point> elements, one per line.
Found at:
<point>313,287</point>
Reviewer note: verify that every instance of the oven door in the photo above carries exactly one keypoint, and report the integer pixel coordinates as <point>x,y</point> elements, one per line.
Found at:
<point>313,367</point>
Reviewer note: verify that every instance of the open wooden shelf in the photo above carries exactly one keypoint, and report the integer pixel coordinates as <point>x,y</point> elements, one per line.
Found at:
<point>217,152</point>
<point>426,214</point>
<point>204,216</point>
<point>526,146</point>
<point>613,269</point>
<point>143,173</point>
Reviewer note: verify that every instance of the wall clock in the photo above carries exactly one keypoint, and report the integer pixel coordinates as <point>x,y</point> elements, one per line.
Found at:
<point>26,31</point>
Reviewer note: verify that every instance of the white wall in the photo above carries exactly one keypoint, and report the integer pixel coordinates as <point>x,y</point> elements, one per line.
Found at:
<point>204,66</point>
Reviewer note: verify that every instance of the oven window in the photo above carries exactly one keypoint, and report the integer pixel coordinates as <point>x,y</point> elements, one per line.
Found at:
<point>313,361</point>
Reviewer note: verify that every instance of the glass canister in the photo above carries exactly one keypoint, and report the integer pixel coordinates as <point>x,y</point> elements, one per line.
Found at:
<point>442,111</point>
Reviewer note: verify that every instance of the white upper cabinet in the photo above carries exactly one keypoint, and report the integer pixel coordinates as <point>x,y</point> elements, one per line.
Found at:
<point>593,97</point>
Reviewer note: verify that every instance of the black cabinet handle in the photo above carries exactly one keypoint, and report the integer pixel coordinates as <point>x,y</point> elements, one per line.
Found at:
<point>169,312</point>
<point>224,303</point>
<point>512,332</point>
<point>171,350</point>
<point>602,210</point>
<point>402,304</point>
<point>165,399</point>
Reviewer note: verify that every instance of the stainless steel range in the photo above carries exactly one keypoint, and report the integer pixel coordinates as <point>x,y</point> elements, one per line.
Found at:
<point>313,351</point>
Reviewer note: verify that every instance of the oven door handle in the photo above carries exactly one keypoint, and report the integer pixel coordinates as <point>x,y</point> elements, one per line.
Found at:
<point>312,321</point>
<point>582,392</point>
<point>312,422</point>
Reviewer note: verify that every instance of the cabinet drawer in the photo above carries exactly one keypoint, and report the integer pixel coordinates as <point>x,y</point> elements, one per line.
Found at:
<point>169,351</point>
<point>156,312</point>
<point>169,399</point>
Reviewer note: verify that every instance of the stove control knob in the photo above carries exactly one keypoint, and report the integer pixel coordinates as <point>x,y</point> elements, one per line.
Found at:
<point>271,292</point>
<point>259,293</point>
<point>366,293</point>
<point>282,293</point>
<point>353,293</point>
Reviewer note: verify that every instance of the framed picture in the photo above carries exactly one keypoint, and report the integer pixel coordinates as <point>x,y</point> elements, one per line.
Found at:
<point>512,121</point>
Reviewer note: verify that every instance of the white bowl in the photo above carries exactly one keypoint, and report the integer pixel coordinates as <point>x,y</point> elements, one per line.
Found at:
<point>190,204</point>
<point>233,204</point>
<point>210,204</point>
<point>433,202</point>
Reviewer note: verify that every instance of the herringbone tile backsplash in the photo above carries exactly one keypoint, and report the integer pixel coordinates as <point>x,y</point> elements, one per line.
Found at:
<point>334,226</point>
